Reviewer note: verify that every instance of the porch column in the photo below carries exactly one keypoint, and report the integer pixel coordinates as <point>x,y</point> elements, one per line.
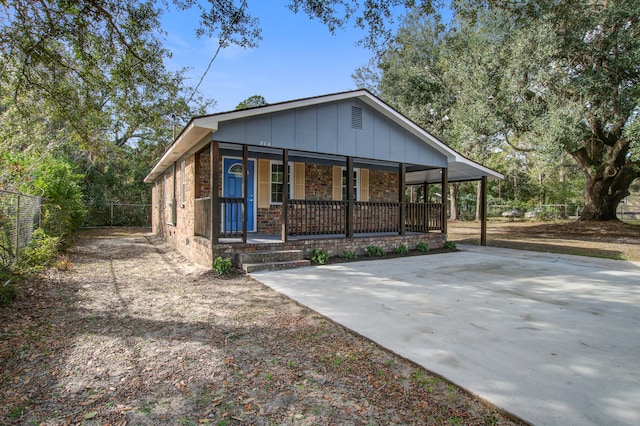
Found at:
<point>350,209</point>
<point>402,188</point>
<point>483,210</point>
<point>445,196</point>
<point>214,178</point>
<point>425,199</point>
<point>285,194</point>
<point>245,199</point>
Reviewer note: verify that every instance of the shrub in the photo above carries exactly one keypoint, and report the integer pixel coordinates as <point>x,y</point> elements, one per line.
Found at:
<point>401,249</point>
<point>374,251</point>
<point>41,251</point>
<point>319,257</point>
<point>423,247</point>
<point>222,266</point>
<point>450,245</point>
<point>348,254</point>
<point>8,293</point>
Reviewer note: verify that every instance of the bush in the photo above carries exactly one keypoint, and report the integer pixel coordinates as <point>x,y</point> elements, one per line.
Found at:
<point>423,247</point>
<point>222,266</point>
<point>8,293</point>
<point>374,251</point>
<point>401,249</point>
<point>450,245</point>
<point>319,257</point>
<point>41,251</point>
<point>348,254</point>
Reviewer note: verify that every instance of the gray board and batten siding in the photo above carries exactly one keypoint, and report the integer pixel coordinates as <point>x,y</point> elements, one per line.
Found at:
<point>346,128</point>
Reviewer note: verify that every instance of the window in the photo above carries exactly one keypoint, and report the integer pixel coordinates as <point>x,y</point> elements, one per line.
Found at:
<point>356,184</point>
<point>277,182</point>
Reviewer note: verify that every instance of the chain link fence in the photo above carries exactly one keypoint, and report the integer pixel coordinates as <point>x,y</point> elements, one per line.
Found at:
<point>19,216</point>
<point>119,214</point>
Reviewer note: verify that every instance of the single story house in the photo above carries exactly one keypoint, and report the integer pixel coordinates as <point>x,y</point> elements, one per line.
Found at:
<point>269,184</point>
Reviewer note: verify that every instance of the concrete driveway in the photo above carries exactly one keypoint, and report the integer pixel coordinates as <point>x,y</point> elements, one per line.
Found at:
<point>553,339</point>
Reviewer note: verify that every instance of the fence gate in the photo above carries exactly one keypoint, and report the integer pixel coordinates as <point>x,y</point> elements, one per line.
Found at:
<point>19,216</point>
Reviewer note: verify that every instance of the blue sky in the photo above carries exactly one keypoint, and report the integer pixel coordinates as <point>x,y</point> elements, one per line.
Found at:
<point>298,57</point>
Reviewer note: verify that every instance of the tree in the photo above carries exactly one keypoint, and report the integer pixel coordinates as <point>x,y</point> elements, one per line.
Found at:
<point>536,76</point>
<point>252,102</point>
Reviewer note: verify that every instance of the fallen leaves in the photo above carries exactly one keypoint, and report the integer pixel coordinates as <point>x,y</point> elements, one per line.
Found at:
<point>136,335</point>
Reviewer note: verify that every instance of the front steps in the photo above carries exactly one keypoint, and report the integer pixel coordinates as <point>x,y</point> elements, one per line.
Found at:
<point>271,260</point>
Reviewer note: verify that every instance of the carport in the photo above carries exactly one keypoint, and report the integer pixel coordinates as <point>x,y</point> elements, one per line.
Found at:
<point>553,339</point>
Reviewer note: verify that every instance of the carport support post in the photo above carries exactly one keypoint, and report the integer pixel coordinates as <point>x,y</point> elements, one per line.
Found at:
<point>402,189</point>
<point>350,209</point>
<point>214,167</point>
<point>245,200</point>
<point>483,211</point>
<point>445,197</point>
<point>285,194</point>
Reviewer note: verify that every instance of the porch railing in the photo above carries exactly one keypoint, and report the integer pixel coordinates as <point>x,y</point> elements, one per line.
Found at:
<point>376,217</point>
<point>308,217</point>
<point>232,209</point>
<point>202,217</point>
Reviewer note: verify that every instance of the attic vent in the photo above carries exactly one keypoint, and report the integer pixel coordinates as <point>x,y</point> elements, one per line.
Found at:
<point>356,118</point>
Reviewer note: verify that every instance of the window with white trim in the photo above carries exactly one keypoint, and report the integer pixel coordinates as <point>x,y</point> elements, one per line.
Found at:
<point>277,181</point>
<point>356,184</point>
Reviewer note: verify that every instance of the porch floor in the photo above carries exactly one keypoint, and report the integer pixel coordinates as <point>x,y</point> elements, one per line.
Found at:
<point>271,239</point>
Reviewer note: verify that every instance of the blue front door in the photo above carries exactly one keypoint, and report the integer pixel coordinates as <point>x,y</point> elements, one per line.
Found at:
<point>232,187</point>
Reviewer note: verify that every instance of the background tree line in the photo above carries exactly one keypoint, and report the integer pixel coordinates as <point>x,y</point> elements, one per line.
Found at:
<point>544,91</point>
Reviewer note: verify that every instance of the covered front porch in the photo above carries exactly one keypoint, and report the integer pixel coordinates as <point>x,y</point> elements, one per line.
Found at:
<point>386,211</point>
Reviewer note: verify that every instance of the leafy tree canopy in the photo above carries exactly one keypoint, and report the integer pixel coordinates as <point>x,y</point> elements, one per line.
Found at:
<point>550,77</point>
<point>252,102</point>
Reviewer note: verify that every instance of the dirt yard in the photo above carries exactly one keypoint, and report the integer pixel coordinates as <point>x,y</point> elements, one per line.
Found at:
<point>134,334</point>
<point>613,240</point>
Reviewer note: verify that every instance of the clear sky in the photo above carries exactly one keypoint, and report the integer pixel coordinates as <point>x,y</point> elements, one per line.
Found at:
<point>298,57</point>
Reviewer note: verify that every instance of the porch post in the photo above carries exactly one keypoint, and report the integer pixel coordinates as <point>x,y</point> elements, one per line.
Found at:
<point>483,210</point>
<point>285,194</point>
<point>425,199</point>
<point>402,188</point>
<point>214,167</point>
<point>445,196</point>
<point>245,199</point>
<point>350,209</point>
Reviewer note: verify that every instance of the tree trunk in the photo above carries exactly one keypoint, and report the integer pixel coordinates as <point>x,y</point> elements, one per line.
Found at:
<point>453,213</point>
<point>608,175</point>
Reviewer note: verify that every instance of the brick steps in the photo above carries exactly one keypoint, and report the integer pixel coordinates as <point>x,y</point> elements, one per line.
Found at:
<point>272,260</point>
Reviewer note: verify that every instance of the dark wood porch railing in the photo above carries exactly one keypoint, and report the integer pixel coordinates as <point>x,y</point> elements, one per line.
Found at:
<point>376,217</point>
<point>232,209</point>
<point>308,217</point>
<point>202,217</point>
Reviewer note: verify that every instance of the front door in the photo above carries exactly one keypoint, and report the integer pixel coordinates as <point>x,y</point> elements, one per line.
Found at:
<point>232,187</point>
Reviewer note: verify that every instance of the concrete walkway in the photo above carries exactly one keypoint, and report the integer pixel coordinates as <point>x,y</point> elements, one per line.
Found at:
<point>553,339</point>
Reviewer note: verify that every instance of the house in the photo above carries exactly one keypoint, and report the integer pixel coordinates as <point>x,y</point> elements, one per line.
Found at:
<point>269,184</point>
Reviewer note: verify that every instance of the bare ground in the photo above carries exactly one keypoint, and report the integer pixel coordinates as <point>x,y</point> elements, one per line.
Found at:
<point>614,239</point>
<point>134,334</point>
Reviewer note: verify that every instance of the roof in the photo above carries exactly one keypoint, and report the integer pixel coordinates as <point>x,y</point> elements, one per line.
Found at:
<point>199,128</point>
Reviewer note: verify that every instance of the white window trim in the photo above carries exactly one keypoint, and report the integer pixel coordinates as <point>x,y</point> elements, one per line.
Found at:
<point>356,170</point>
<point>291,181</point>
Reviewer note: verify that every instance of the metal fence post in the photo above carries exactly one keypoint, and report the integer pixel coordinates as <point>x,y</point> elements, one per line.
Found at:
<point>17,254</point>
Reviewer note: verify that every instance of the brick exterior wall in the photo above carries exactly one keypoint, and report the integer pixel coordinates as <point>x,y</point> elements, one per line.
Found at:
<point>383,187</point>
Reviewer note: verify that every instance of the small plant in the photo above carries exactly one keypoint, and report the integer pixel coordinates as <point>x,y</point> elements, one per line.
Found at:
<point>401,249</point>
<point>221,265</point>
<point>63,263</point>
<point>8,293</point>
<point>450,245</point>
<point>423,247</point>
<point>40,252</point>
<point>319,257</point>
<point>374,251</point>
<point>348,254</point>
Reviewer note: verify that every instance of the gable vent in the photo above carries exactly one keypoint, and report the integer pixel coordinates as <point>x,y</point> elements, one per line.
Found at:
<point>356,118</point>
